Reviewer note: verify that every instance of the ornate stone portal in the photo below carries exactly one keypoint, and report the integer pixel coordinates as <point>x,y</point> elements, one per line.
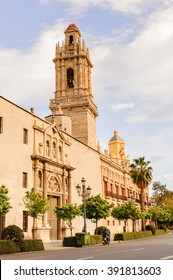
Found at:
<point>52,177</point>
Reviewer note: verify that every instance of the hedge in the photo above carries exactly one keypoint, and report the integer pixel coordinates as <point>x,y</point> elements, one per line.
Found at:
<point>8,247</point>
<point>161,231</point>
<point>96,239</point>
<point>135,235</point>
<point>28,245</point>
<point>25,245</point>
<point>71,240</point>
<point>132,235</point>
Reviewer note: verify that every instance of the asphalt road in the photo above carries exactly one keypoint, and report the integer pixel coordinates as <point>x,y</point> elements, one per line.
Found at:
<point>153,248</point>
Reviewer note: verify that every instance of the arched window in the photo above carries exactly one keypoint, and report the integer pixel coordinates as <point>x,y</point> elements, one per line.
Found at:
<point>71,39</point>
<point>47,148</point>
<point>54,149</point>
<point>40,184</point>
<point>70,77</point>
<point>60,153</point>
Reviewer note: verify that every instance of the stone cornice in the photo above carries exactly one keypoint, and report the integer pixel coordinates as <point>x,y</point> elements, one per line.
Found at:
<point>51,162</point>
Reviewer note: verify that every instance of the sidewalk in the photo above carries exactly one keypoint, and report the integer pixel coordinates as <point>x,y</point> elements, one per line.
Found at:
<point>57,245</point>
<point>54,245</point>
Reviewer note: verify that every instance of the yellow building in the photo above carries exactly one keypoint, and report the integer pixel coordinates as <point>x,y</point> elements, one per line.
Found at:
<point>54,154</point>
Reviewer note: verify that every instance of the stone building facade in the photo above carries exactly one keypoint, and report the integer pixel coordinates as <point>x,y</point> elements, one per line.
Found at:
<point>54,154</point>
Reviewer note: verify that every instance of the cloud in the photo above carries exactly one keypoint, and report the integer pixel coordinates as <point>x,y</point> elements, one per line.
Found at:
<point>122,106</point>
<point>156,159</point>
<point>28,76</point>
<point>150,112</point>
<point>140,69</point>
<point>169,177</point>
<point>123,6</point>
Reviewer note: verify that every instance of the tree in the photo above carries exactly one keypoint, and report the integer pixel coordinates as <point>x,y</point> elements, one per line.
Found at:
<point>135,214</point>
<point>126,211</point>
<point>67,213</point>
<point>4,201</point>
<point>35,205</point>
<point>141,174</point>
<point>161,195</point>
<point>169,201</point>
<point>97,208</point>
<point>171,220</point>
<point>159,215</point>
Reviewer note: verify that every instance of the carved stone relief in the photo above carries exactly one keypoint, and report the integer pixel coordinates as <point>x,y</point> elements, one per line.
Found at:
<point>53,184</point>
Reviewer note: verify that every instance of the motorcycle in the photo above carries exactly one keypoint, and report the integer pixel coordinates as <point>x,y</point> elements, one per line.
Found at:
<point>106,241</point>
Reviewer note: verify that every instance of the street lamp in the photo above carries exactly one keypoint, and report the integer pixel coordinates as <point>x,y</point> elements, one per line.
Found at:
<point>84,193</point>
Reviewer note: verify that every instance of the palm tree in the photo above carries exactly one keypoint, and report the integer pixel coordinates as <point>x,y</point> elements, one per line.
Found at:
<point>141,174</point>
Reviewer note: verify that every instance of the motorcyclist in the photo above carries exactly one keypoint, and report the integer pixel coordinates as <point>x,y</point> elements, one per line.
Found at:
<point>106,235</point>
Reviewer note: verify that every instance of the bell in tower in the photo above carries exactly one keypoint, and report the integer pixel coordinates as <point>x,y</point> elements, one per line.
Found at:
<point>73,89</point>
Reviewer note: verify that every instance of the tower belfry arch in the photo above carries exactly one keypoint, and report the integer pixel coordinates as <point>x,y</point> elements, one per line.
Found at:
<point>73,88</point>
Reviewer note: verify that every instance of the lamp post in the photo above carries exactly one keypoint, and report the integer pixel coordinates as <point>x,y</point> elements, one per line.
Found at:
<point>84,193</point>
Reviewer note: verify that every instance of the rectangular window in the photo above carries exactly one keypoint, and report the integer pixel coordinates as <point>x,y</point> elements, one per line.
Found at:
<point>111,186</point>
<point>1,124</point>
<point>25,136</point>
<point>105,188</point>
<point>25,180</point>
<point>25,221</point>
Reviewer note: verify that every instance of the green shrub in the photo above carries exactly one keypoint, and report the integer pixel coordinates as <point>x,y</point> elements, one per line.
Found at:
<point>160,231</point>
<point>95,239</point>
<point>132,235</point>
<point>28,245</point>
<point>118,236</point>
<point>163,227</point>
<point>12,232</point>
<point>8,247</point>
<point>151,228</point>
<point>69,241</point>
<point>23,245</point>
<point>99,230</point>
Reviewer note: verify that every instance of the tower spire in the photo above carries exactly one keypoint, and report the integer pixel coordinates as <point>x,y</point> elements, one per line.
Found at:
<point>73,90</point>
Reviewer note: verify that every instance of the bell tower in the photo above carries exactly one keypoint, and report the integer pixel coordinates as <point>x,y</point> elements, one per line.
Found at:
<point>73,89</point>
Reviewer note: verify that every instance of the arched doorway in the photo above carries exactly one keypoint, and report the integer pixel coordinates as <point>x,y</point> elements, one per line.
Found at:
<point>55,194</point>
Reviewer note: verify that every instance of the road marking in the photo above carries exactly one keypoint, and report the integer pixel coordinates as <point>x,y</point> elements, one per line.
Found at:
<point>86,258</point>
<point>138,249</point>
<point>168,257</point>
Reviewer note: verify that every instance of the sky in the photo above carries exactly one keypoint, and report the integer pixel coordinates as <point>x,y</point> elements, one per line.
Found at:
<point>130,43</point>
